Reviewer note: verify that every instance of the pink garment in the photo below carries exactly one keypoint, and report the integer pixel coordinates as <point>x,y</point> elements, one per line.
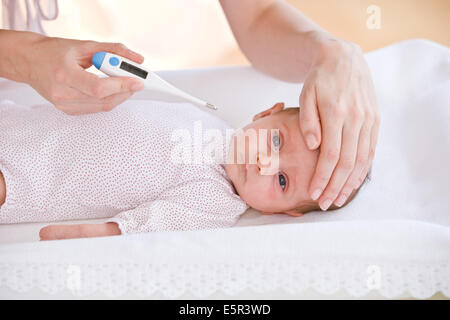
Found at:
<point>112,164</point>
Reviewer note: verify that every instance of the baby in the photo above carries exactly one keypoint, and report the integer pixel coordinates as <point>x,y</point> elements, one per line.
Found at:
<point>134,165</point>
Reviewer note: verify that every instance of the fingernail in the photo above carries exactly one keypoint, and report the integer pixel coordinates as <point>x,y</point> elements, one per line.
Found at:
<point>137,86</point>
<point>310,141</point>
<point>325,204</point>
<point>316,194</point>
<point>341,200</point>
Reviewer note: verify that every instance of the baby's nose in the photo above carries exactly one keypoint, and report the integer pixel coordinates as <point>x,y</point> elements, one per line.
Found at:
<point>268,165</point>
<point>263,159</point>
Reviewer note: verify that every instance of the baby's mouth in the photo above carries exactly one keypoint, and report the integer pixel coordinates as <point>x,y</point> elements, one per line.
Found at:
<point>249,169</point>
<point>244,172</point>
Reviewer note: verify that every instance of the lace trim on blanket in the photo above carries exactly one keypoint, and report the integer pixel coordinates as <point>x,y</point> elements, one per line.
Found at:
<point>173,280</point>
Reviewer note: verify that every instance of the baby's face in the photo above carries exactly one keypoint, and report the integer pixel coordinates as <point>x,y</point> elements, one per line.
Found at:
<point>268,188</point>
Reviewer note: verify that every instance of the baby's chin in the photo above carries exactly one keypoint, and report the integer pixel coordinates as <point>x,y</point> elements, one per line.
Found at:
<point>232,171</point>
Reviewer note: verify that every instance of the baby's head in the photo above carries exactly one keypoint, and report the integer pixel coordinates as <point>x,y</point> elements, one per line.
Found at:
<point>275,189</point>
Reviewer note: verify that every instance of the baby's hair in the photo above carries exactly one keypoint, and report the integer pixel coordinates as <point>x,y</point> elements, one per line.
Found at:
<point>311,205</point>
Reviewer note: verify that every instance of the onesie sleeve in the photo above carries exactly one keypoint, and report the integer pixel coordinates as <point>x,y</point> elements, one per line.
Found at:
<point>190,206</point>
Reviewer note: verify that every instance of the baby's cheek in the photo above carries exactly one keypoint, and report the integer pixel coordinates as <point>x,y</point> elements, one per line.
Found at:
<point>259,196</point>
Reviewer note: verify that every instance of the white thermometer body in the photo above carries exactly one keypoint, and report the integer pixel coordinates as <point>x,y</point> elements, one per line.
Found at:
<point>115,65</point>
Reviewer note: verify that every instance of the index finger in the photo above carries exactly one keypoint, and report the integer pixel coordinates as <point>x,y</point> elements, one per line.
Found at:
<point>328,156</point>
<point>116,48</point>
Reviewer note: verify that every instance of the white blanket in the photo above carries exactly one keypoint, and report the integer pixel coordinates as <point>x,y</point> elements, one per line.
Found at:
<point>392,239</point>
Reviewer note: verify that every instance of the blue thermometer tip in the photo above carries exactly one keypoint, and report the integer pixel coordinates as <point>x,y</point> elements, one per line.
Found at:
<point>97,59</point>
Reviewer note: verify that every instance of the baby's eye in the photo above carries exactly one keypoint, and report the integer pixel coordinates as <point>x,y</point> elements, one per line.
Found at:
<point>282,181</point>
<point>276,140</point>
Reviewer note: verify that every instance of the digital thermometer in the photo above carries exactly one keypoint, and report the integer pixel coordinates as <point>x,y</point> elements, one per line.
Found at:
<point>115,65</point>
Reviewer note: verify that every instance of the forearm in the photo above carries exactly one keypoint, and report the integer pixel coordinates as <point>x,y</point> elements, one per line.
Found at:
<point>13,51</point>
<point>282,42</point>
<point>58,232</point>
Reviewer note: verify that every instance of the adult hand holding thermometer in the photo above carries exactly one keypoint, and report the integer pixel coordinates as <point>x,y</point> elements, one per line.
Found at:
<point>115,65</point>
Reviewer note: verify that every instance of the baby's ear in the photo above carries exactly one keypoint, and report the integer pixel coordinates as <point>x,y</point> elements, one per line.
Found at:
<point>291,213</point>
<point>277,107</point>
<point>294,214</point>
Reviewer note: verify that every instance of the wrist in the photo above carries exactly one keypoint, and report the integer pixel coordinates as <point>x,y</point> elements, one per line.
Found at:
<point>328,46</point>
<point>16,51</point>
<point>112,229</point>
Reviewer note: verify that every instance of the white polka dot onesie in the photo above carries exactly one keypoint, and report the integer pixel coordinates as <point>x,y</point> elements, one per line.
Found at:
<point>117,164</point>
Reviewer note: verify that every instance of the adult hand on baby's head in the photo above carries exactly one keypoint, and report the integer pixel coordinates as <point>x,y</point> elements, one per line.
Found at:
<point>54,67</point>
<point>338,111</point>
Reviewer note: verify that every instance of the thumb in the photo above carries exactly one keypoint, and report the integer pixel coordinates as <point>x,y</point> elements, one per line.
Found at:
<point>309,118</point>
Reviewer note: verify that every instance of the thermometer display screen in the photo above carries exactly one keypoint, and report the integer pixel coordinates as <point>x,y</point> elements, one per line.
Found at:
<point>134,70</point>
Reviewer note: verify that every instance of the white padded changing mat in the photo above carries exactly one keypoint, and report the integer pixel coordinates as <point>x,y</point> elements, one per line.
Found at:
<point>392,240</point>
